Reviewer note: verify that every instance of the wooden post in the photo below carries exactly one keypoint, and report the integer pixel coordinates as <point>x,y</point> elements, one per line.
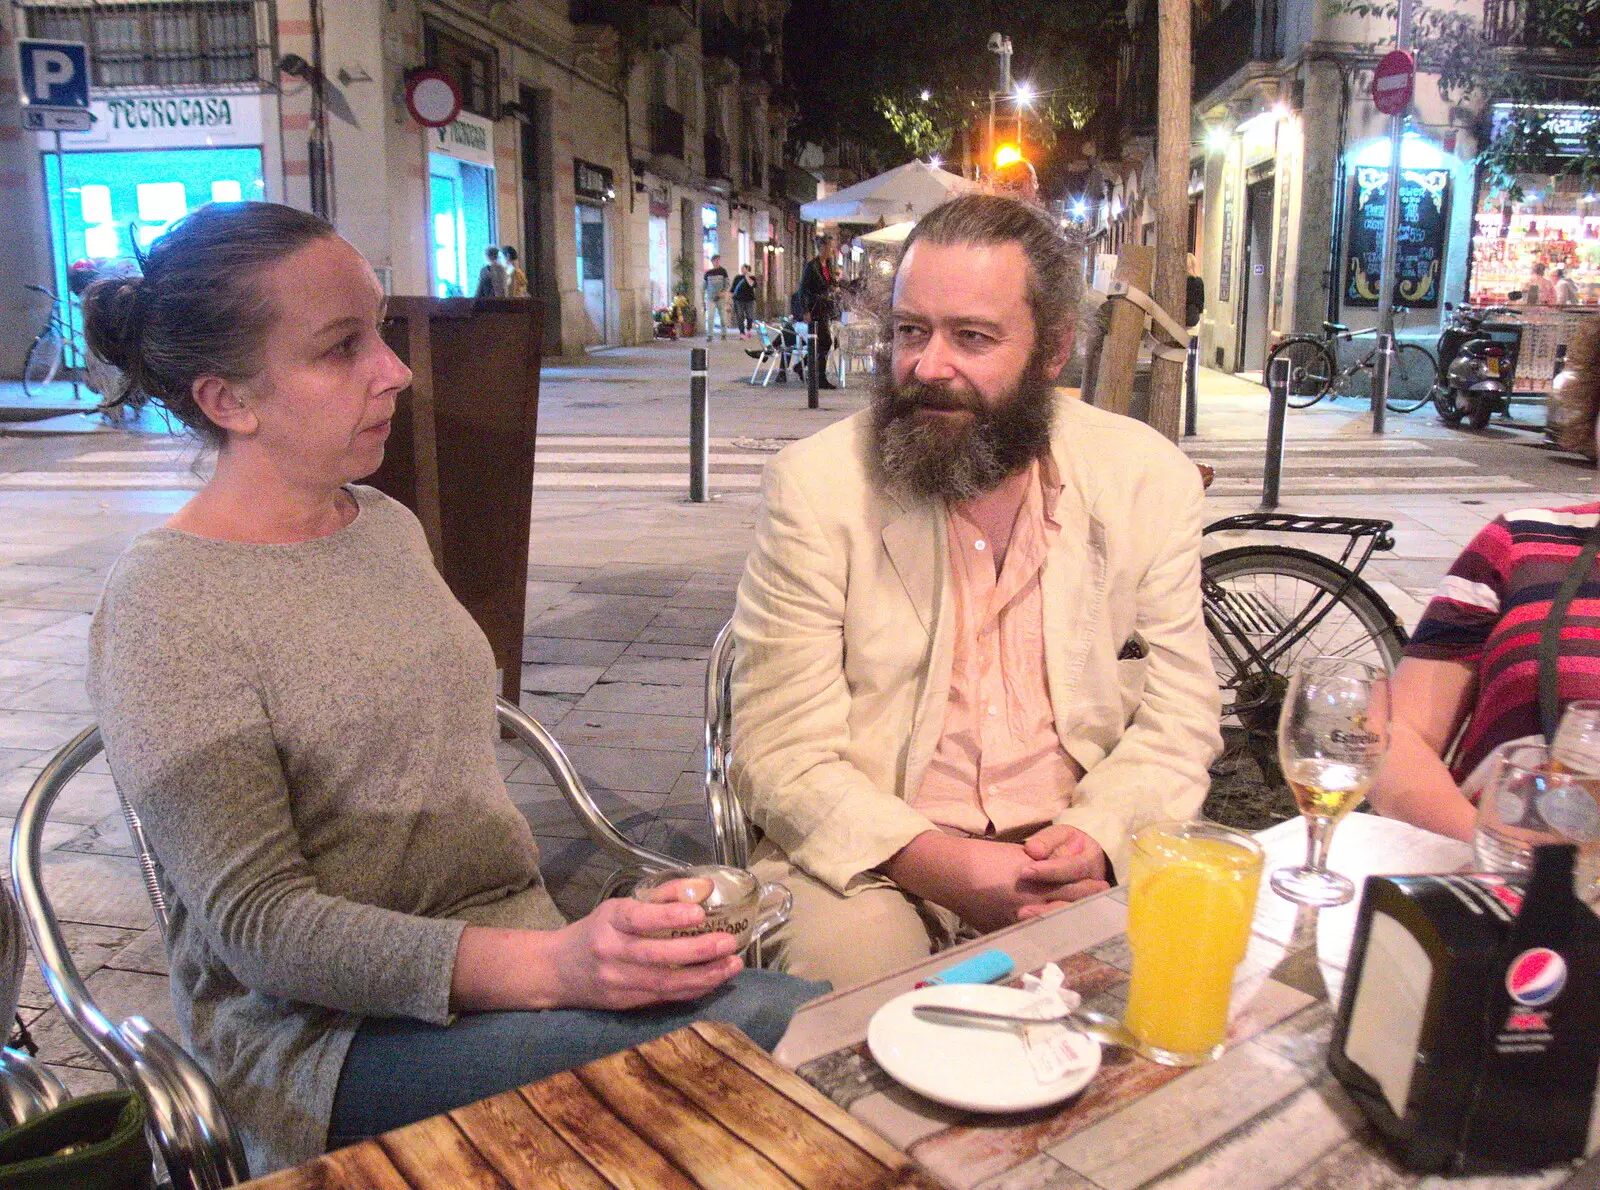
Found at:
<point>1120,352</point>
<point>1174,75</point>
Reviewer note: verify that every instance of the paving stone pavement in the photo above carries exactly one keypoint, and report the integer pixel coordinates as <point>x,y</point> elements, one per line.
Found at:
<point>626,590</point>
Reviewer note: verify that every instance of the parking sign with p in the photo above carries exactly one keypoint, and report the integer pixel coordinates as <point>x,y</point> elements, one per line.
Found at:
<point>53,73</point>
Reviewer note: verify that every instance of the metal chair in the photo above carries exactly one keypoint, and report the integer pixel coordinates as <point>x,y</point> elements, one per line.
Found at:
<point>189,1125</point>
<point>730,828</point>
<point>27,1088</point>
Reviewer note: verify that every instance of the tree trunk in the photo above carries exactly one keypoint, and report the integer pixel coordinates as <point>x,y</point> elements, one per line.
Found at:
<point>1119,354</point>
<point>1172,204</point>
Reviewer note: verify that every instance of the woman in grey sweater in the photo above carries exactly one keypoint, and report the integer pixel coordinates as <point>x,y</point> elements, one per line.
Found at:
<point>303,717</point>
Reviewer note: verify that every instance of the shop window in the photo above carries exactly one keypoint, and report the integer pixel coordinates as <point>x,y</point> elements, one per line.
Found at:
<point>470,65</point>
<point>208,43</point>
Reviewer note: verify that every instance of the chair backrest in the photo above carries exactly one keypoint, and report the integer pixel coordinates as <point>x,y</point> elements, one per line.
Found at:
<point>730,829</point>
<point>198,1143</point>
<point>27,1089</point>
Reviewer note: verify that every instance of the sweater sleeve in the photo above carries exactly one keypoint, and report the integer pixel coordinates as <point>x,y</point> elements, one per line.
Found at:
<point>190,743</point>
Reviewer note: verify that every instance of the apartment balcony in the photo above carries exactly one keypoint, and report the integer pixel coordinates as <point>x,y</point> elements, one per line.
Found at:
<point>1243,32</point>
<point>666,22</point>
<point>716,158</point>
<point>666,131</point>
<point>1540,25</point>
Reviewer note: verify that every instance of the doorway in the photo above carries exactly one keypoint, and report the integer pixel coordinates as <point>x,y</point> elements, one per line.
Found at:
<point>1256,268</point>
<point>591,225</point>
<point>461,205</point>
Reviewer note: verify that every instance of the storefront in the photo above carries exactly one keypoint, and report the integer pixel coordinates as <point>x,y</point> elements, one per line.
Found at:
<point>1547,219</point>
<point>146,163</point>
<point>461,203</point>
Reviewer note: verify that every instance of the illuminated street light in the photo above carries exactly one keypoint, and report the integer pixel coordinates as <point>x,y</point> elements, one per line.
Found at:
<point>1007,155</point>
<point>926,95</point>
<point>1024,94</point>
<point>1217,138</point>
<point>1080,209</point>
<point>936,161</point>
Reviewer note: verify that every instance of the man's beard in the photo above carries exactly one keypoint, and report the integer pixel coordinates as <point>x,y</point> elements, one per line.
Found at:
<point>937,456</point>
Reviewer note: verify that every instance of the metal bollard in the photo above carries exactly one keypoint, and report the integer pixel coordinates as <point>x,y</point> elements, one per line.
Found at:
<point>811,369</point>
<point>1382,369</point>
<point>699,428</point>
<point>1278,406</point>
<point>1191,380</point>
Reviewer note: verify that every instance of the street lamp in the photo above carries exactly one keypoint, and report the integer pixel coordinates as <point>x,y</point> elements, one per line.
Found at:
<point>999,44</point>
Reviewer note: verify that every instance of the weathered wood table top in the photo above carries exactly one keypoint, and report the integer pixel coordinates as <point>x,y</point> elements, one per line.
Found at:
<point>1265,1116</point>
<point>702,1107</point>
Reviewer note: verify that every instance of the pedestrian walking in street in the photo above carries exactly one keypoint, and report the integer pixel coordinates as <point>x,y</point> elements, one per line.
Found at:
<point>491,277</point>
<point>303,717</point>
<point>714,284</point>
<point>743,293</point>
<point>516,279</point>
<point>819,286</point>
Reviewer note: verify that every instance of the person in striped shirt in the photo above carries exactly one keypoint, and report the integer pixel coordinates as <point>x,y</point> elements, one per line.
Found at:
<point>1473,660</point>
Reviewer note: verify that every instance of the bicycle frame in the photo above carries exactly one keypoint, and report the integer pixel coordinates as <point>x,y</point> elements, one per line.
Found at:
<point>1227,631</point>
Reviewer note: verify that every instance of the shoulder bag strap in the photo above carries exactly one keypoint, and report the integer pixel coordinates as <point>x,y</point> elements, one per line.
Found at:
<point>1550,636</point>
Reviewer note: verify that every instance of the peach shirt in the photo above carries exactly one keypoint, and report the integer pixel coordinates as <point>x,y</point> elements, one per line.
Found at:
<point>999,768</point>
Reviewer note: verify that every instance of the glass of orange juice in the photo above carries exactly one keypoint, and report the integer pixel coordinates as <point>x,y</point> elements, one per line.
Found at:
<point>1191,896</point>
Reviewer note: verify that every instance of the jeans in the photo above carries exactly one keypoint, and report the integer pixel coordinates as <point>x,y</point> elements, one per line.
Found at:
<point>400,1071</point>
<point>744,314</point>
<point>718,306</point>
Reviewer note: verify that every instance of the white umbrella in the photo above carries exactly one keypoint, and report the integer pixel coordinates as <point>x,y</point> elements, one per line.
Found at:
<point>895,233</point>
<point>908,191</point>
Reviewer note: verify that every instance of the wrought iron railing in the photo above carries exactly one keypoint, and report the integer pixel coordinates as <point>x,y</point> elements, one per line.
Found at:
<point>177,45</point>
<point>1541,24</point>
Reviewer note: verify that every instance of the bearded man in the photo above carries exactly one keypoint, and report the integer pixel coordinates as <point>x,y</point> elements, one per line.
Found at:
<point>970,659</point>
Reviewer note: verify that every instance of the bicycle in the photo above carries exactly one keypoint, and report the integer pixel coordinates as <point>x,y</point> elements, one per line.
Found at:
<point>48,352</point>
<point>1268,606</point>
<point>1314,370</point>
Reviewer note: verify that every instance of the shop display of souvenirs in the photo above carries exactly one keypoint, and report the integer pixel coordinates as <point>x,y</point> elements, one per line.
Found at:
<point>1553,224</point>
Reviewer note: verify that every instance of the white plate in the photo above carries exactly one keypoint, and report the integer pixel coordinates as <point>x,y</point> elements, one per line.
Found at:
<point>975,1068</point>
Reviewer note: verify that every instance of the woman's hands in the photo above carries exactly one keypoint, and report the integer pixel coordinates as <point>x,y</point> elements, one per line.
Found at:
<point>607,960</point>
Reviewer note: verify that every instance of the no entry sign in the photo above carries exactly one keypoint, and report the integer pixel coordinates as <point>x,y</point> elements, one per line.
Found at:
<point>1394,81</point>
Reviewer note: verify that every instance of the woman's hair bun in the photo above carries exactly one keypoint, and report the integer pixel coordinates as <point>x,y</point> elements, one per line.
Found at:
<point>111,319</point>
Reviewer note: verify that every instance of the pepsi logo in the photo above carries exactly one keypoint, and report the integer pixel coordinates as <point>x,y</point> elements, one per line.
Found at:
<point>1536,976</point>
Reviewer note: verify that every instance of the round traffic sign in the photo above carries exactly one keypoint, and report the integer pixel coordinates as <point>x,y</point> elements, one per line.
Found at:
<point>432,98</point>
<point>1394,81</point>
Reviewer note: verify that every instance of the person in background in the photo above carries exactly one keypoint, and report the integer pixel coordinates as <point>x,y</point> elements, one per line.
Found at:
<point>714,284</point>
<point>516,279</point>
<point>1538,290</point>
<point>1194,294</point>
<point>303,717</point>
<point>491,277</point>
<point>744,301</point>
<point>1469,683</point>
<point>1566,289</point>
<point>819,289</point>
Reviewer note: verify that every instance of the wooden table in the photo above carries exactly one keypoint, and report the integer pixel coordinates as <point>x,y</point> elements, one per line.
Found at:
<point>702,1107</point>
<point>1266,1115</point>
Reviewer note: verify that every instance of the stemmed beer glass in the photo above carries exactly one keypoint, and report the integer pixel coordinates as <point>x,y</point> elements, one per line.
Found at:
<point>1332,738</point>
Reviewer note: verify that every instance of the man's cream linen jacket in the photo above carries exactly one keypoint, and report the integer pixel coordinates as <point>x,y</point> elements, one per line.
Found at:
<point>844,645</point>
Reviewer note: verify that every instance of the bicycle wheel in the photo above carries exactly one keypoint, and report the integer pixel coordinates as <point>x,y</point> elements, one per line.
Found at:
<point>44,361</point>
<point>1355,381</point>
<point>1310,368</point>
<point>1266,608</point>
<point>1411,382</point>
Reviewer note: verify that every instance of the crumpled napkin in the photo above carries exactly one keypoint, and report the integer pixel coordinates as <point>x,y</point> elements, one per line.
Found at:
<point>1053,1047</point>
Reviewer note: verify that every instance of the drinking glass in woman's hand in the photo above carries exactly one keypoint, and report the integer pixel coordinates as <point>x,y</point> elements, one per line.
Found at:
<point>1577,743</point>
<point>629,953</point>
<point>1333,734</point>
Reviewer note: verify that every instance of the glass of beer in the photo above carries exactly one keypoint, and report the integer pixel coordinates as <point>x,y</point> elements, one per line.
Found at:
<point>1332,738</point>
<point>1191,897</point>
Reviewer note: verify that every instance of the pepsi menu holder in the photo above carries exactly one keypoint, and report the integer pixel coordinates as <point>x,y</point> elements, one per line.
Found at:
<point>1469,1027</point>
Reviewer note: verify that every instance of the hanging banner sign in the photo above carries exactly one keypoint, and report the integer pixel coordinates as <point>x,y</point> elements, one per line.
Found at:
<point>1419,244</point>
<point>592,181</point>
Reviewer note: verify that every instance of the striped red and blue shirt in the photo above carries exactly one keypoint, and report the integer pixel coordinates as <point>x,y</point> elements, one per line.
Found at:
<point>1490,610</point>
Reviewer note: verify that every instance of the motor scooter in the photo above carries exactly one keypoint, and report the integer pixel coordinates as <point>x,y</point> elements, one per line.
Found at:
<point>1477,362</point>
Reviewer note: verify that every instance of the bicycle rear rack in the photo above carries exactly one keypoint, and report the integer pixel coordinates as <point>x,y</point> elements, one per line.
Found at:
<point>1377,533</point>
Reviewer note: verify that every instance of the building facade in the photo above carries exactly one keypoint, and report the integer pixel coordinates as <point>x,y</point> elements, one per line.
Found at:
<point>1289,175</point>
<point>616,145</point>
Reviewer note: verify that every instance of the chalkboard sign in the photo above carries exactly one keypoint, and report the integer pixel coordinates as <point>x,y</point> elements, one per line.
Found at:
<point>1419,246</point>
